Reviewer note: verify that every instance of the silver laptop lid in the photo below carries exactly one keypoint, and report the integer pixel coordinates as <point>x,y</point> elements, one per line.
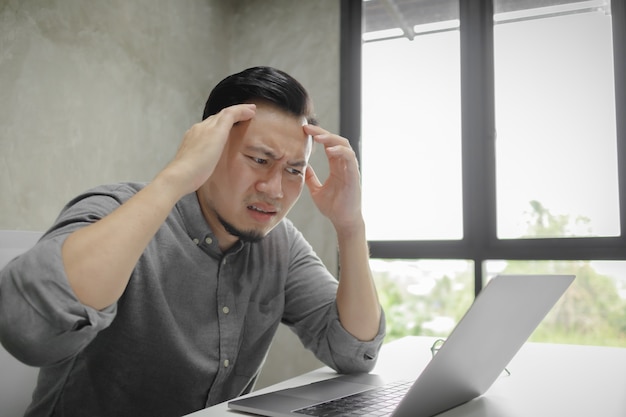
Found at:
<point>495,327</point>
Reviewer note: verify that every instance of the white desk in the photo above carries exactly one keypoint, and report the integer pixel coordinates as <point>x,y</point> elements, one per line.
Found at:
<point>546,380</point>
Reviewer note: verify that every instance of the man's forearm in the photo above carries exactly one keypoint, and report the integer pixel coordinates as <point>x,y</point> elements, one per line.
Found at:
<point>99,259</point>
<point>357,300</point>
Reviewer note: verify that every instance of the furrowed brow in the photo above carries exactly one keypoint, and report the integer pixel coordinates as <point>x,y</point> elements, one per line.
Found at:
<point>269,153</point>
<point>297,164</point>
<point>263,150</point>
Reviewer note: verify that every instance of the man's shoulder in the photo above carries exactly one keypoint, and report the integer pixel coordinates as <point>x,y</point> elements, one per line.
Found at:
<point>103,198</point>
<point>127,187</point>
<point>119,191</point>
<point>286,235</point>
<point>285,228</point>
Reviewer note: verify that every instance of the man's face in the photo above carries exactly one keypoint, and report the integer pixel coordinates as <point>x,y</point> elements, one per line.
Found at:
<point>258,178</point>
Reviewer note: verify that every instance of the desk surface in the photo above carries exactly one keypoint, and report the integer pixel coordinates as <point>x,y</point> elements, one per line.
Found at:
<point>545,380</point>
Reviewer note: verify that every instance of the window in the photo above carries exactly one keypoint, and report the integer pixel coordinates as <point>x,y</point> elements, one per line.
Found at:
<point>416,110</point>
<point>449,202</point>
<point>556,148</point>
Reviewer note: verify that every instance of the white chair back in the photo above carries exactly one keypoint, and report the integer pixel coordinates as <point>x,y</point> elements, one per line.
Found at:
<point>17,380</point>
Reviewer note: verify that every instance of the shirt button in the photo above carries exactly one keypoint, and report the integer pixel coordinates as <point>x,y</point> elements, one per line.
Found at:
<point>196,241</point>
<point>226,363</point>
<point>208,240</point>
<point>226,310</point>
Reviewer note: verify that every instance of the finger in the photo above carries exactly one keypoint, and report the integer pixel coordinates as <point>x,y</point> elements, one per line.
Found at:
<point>311,179</point>
<point>338,150</point>
<point>314,130</point>
<point>233,114</point>
<point>342,160</point>
<point>326,138</point>
<point>332,141</point>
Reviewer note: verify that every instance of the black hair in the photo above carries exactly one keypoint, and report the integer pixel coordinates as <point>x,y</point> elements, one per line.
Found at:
<point>260,84</point>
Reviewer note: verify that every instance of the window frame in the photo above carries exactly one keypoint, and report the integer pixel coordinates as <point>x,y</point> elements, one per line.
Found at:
<point>480,242</point>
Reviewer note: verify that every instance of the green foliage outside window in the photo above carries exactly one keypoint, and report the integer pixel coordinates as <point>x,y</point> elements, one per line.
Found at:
<point>592,312</point>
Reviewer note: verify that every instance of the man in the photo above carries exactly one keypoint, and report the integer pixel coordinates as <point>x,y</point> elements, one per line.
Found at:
<point>160,299</point>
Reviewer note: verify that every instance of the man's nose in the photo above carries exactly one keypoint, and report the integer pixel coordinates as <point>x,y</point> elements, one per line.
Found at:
<point>272,183</point>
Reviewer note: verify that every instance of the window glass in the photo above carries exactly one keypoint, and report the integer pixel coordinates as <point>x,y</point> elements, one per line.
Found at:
<point>556,148</point>
<point>556,158</point>
<point>593,309</point>
<point>423,297</point>
<point>411,129</point>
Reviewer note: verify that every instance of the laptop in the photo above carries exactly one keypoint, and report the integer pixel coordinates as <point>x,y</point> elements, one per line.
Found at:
<point>476,352</point>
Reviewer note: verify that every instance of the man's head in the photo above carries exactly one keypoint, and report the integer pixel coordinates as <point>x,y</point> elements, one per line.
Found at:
<point>261,84</point>
<point>260,174</point>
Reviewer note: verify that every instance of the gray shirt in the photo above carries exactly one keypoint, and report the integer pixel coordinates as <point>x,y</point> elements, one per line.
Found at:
<point>192,327</point>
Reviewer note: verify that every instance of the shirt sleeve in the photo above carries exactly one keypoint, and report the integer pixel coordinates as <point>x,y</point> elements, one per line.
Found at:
<point>311,312</point>
<point>350,355</point>
<point>41,320</point>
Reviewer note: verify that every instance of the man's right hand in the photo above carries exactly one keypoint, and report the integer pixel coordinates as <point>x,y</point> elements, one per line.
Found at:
<point>202,147</point>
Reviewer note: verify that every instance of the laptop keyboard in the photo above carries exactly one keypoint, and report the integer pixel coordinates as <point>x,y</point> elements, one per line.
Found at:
<point>375,402</point>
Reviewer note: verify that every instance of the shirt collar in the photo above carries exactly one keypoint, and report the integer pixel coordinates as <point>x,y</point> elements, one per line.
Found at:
<point>197,227</point>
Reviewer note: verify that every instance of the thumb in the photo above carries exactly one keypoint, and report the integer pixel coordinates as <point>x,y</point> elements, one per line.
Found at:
<point>311,180</point>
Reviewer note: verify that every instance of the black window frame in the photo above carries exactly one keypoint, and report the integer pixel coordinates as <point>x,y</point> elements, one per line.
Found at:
<point>480,242</point>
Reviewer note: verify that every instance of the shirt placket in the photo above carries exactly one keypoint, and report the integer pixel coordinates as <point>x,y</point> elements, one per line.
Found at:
<point>227,325</point>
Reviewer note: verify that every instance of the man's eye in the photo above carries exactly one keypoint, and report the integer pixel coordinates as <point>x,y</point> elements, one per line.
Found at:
<point>294,171</point>
<point>259,161</point>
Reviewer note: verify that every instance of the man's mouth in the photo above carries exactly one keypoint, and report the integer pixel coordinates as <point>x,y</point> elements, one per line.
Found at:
<point>261,210</point>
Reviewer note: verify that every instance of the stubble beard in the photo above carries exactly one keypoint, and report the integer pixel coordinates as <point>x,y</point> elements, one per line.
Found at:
<point>251,236</point>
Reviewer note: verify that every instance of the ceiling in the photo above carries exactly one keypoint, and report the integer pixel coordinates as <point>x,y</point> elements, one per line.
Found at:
<point>382,15</point>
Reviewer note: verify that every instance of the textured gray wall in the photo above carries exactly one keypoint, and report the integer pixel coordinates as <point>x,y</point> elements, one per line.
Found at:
<point>99,92</point>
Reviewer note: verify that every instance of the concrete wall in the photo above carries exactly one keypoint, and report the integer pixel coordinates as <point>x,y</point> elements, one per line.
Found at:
<point>99,92</point>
